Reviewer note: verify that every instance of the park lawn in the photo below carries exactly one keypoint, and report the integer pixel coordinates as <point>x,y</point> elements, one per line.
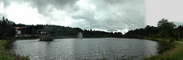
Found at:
<point>6,55</point>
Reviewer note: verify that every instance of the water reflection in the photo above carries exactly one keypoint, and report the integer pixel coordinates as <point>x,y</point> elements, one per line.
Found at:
<point>87,48</point>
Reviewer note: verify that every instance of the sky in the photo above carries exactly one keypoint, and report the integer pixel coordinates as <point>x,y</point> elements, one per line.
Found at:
<point>105,15</point>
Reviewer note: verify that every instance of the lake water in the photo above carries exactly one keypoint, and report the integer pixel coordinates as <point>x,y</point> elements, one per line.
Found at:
<point>85,49</point>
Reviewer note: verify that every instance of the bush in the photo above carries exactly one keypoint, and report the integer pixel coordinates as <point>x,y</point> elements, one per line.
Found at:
<point>46,38</point>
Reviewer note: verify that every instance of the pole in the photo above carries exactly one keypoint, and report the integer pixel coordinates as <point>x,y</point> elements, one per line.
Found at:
<point>178,34</point>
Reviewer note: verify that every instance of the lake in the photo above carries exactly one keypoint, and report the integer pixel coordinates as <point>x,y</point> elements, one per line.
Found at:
<point>85,49</point>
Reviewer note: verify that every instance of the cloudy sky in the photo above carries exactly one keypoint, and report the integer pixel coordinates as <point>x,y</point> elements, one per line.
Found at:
<point>107,15</point>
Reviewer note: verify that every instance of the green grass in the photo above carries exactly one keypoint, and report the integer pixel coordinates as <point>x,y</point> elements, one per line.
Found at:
<point>181,39</point>
<point>173,54</point>
<point>178,55</point>
<point>6,55</point>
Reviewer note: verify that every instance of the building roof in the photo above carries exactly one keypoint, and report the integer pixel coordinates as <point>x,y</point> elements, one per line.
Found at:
<point>17,27</point>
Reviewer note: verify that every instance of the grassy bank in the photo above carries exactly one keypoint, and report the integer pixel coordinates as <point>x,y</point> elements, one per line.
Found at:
<point>160,39</point>
<point>6,55</point>
<point>175,53</point>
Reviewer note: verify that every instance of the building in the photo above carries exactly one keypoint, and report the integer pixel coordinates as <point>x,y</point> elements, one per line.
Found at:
<point>27,31</point>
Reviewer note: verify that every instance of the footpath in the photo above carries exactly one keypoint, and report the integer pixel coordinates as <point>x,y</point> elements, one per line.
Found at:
<point>181,43</point>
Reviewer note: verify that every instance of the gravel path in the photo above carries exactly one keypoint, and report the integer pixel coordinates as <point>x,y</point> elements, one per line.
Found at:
<point>179,42</point>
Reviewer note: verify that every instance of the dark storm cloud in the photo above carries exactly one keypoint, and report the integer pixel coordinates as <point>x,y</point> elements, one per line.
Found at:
<point>108,15</point>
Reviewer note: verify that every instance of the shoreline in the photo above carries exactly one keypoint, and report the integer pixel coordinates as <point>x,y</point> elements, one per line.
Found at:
<point>175,53</point>
<point>7,55</point>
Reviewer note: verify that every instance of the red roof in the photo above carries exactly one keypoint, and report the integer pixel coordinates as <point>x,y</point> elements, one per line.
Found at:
<point>17,27</point>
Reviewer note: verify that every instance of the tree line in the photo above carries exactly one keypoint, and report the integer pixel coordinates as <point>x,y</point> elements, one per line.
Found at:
<point>164,29</point>
<point>7,30</point>
<point>55,30</point>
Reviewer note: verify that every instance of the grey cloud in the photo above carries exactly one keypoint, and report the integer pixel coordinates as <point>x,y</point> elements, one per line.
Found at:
<point>44,6</point>
<point>124,1</point>
<point>110,15</point>
<point>1,15</point>
<point>58,4</point>
<point>6,3</point>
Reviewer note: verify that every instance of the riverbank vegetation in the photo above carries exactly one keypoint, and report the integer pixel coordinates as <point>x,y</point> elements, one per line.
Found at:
<point>6,28</point>
<point>165,30</point>
<point>6,55</point>
<point>46,38</point>
<point>166,33</point>
<point>175,53</point>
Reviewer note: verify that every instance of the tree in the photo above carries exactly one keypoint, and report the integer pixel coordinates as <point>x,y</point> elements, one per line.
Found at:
<point>150,31</point>
<point>3,18</point>
<point>48,29</point>
<point>33,31</point>
<point>6,28</point>
<point>179,31</point>
<point>166,28</point>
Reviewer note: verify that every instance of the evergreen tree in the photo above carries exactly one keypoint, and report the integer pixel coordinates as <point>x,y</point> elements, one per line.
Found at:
<point>6,28</point>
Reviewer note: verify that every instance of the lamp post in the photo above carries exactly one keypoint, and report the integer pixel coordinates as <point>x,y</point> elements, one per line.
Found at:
<point>178,34</point>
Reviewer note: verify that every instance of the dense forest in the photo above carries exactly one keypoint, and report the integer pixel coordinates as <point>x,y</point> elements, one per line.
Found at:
<point>164,29</point>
